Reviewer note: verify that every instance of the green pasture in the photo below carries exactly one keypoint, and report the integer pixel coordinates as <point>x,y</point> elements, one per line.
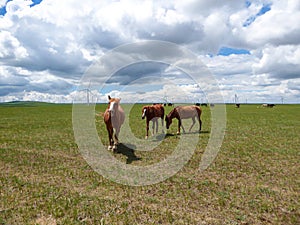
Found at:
<point>253,180</point>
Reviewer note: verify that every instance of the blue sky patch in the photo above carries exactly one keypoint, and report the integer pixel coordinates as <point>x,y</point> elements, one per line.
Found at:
<point>248,3</point>
<point>262,11</point>
<point>225,51</point>
<point>35,2</point>
<point>3,9</point>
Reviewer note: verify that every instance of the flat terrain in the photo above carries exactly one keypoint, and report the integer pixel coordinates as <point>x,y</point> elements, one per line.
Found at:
<point>254,179</point>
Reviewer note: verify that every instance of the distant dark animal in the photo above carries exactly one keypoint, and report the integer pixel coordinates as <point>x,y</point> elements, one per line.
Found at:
<point>204,104</point>
<point>114,117</point>
<point>170,104</point>
<point>197,104</point>
<point>237,105</point>
<point>153,113</point>
<point>212,105</point>
<point>184,112</point>
<point>268,105</point>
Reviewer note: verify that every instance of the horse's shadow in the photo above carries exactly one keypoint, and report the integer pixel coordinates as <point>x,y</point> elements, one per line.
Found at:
<point>197,132</point>
<point>188,132</point>
<point>160,137</point>
<point>128,151</point>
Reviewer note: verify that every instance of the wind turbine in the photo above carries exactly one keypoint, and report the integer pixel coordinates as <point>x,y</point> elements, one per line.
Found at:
<point>236,99</point>
<point>88,91</point>
<point>165,98</point>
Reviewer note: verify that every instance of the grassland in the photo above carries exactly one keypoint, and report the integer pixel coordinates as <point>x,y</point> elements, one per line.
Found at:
<point>254,179</point>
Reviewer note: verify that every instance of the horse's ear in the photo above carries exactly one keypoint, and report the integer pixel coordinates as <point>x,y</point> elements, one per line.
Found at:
<point>109,97</point>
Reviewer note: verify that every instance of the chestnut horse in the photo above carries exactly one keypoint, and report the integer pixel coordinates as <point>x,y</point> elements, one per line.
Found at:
<point>152,113</point>
<point>184,112</point>
<point>114,117</point>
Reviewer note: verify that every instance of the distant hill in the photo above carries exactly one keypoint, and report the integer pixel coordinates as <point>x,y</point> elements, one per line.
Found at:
<point>24,103</point>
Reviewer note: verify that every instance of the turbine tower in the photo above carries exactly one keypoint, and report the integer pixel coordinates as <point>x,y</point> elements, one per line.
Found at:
<point>236,99</point>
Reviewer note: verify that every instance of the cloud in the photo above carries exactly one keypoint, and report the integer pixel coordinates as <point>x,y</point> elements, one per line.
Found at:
<point>276,26</point>
<point>10,47</point>
<point>203,8</point>
<point>280,62</point>
<point>46,48</point>
<point>155,30</point>
<point>134,72</point>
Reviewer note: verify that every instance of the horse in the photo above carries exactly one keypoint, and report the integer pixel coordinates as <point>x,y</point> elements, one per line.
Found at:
<point>152,113</point>
<point>114,117</point>
<point>268,105</point>
<point>184,112</point>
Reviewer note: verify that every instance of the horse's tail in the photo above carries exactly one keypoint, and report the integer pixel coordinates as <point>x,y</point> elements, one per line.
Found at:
<point>162,112</point>
<point>199,110</point>
<point>100,114</point>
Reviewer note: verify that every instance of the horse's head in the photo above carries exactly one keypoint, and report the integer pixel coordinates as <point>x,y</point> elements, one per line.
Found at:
<point>168,120</point>
<point>144,111</point>
<point>113,105</point>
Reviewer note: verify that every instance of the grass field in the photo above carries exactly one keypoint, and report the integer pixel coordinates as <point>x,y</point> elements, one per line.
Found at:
<point>254,179</point>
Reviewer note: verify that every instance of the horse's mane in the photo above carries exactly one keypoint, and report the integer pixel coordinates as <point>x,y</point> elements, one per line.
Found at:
<point>174,112</point>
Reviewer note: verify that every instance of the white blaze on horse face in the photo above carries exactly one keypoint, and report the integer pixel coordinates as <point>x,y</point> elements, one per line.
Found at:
<point>144,113</point>
<point>111,108</point>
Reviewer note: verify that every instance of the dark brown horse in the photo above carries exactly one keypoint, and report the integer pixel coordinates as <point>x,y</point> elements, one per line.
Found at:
<point>184,112</point>
<point>152,113</point>
<point>114,117</point>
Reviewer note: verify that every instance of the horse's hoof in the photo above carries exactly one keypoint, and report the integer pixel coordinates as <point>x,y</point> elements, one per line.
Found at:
<point>146,137</point>
<point>178,133</point>
<point>115,149</point>
<point>110,147</point>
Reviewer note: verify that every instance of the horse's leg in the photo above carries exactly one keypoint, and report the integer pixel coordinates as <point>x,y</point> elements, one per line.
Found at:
<point>147,129</point>
<point>156,123</point>
<point>116,138</point>
<point>200,122</point>
<point>117,135</point>
<point>162,124</point>
<point>110,136</point>
<point>153,126</point>
<point>180,125</point>
<point>193,118</point>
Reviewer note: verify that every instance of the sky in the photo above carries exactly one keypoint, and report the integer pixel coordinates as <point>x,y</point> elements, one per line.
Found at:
<point>251,49</point>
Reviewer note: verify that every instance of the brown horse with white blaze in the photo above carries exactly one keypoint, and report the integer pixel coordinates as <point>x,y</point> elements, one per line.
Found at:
<point>153,113</point>
<point>114,117</point>
<point>184,112</point>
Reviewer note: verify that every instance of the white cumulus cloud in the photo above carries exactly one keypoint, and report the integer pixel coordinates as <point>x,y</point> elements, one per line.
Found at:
<point>46,48</point>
